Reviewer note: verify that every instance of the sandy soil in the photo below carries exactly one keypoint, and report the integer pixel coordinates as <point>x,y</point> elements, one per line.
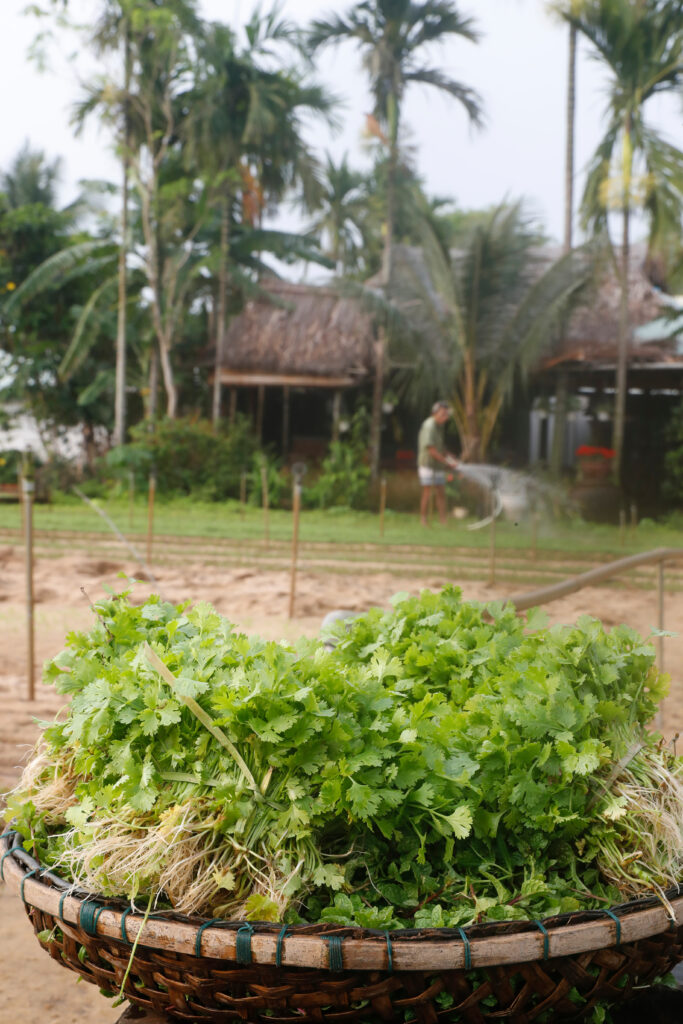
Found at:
<point>33,988</point>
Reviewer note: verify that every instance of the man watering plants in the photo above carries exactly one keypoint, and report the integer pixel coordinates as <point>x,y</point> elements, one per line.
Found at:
<point>433,460</point>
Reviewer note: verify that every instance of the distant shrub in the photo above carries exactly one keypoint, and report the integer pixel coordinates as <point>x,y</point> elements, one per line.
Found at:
<point>277,483</point>
<point>188,457</point>
<point>344,473</point>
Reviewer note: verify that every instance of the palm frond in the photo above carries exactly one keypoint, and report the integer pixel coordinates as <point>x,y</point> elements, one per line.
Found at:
<point>469,98</point>
<point>435,19</point>
<point>55,271</point>
<point>104,381</point>
<point>85,331</point>
<point>539,318</point>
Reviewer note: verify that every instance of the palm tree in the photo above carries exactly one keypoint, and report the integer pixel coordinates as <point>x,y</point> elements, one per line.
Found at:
<point>246,135</point>
<point>563,7</point>
<point>482,314</point>
<point>641,46</point>
<point>30,179</point>
<point>343,214</point>
<point>393,36</point>
<point>113,31</point>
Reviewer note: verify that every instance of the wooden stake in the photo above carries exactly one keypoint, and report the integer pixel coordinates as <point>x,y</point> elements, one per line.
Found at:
<point>27,490</point>
<point>534,535</point>
<point>296,509</point>
<point>131,497</point>
<point>243,489</point>
<point>660,626</point>
<point>622,526</point>
<point>264,495</point>
<point>634,519</point>
<point>382,504</point>
<point>150,515</point>
<point>660,615</point>
<point>492,547</point>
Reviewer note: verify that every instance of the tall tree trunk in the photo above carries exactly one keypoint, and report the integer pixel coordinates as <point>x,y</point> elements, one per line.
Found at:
<point>569,157</point>
<point>376,417</point>
<point>387,260</point>
<point>120,387</point>
<point>623,341</point>
<point>471,440</point>
<point>153,387</point>
<point>222,309</point>
<point>623,350</point>
<point>168,379</point>
<point>392,167</point>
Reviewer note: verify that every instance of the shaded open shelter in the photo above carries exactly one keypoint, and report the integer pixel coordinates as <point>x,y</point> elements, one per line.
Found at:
<point>308,343</point>
<point>575,383</point>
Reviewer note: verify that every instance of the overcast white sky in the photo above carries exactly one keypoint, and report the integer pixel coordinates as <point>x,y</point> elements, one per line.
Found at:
<point>519,67</point>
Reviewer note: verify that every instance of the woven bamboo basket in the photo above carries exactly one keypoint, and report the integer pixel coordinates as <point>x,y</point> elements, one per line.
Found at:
<point>195,970</point>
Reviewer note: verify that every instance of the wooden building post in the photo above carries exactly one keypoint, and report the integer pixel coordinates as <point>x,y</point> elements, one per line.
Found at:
<point>232,414</point>
<point>261,401</point>
<point>336,413</point>
<point>285,420</point>
<point>560,423</point>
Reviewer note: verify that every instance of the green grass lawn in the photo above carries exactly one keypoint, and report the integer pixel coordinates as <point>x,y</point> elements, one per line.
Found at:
<point>232,521</point>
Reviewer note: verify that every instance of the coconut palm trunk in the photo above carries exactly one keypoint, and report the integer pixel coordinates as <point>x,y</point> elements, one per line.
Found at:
<point>623,342</point>
<point>569,156</point>
<point>222,309</point>
<point>120,385</point>
<point>380,364</point>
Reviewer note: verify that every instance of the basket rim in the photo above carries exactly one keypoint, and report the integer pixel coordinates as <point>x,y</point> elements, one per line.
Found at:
<point>310,946</point>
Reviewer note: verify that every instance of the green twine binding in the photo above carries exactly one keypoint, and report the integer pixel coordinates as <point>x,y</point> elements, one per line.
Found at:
<point>60,912</point>
<point>7,835</point>
<point>124,915</point>
<point>468,950</point>
<point>390,958</point>
<point>243,944</point>
<point>618,924</point>
<point>278,948</point>
<point>28,874</point>
<point>7,853</point>
<point>336,961</point>
<point>86,916</point>
<point>200,932</point>
<point>546,939</point>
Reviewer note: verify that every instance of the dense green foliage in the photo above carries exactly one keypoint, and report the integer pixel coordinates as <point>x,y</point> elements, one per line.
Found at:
<point>673,458</point>
<point>188,457</point>
<point>344,473</point>
<point>447,762</point>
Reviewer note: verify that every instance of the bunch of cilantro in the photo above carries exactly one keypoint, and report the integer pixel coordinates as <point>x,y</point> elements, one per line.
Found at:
<point>444,763</point>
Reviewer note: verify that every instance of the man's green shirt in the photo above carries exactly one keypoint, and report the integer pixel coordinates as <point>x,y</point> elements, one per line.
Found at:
<point>431,436</point>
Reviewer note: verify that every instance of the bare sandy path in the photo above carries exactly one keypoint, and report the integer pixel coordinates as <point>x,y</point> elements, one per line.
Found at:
<point>33,988</point>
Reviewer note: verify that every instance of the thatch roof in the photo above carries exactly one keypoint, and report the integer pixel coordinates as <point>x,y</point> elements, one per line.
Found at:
<point>306,333</point>
<point>593,330</point>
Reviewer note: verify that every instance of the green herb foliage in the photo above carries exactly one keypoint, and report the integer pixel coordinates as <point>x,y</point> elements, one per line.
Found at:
<point>447,762</point>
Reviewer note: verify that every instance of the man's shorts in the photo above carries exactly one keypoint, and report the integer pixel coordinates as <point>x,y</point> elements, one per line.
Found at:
<point>431,477</point>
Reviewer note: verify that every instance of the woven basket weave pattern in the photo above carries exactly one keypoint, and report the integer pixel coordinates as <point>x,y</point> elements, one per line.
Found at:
<point>201,989</point>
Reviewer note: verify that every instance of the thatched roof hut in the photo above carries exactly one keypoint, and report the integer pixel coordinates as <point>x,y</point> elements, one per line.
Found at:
<point>590,343</point>
<point>304,336</point>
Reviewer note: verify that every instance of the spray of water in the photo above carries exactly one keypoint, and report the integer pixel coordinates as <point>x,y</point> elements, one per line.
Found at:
<point>510,492</point>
